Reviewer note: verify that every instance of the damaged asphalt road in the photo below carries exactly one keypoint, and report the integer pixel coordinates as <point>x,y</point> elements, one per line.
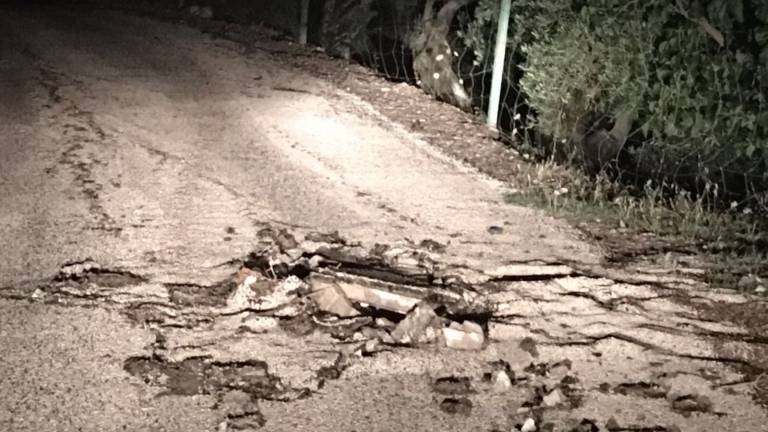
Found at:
<point>186,246</point>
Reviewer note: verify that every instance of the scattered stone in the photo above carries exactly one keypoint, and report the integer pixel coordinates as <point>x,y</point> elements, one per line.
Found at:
<point>384,323</point>
<point>467,336</point>
<point>420,326</point>
<point>502,382</point>
<point>554,398</point>
<point>461,406</point>
<point>38,294</point>
<point>315,262</point>
<point>529,425</point>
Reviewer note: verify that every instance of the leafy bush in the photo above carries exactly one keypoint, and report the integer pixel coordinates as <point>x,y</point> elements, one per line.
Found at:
<point>694,74</point>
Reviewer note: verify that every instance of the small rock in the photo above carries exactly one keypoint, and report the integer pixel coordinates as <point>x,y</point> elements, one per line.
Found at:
<point>38,294</point>
<point>761,290</point>
<point>529,425</point>
<point>315,261</point>
<point>502,382</point>
<point>556,397</point>
<point>421,325</point>
<point>612,424</point>
<point>385,323</point>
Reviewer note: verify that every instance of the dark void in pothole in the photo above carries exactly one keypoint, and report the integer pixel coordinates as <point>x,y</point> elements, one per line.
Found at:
<point>200,375</point>
<point>453,385</point>
<point>462,406</point>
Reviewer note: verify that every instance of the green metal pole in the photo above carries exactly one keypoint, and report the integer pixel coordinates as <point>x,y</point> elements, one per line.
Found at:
<point>498,63</point>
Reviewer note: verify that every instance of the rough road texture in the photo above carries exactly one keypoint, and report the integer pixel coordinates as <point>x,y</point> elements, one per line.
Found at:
<point>141,163</point>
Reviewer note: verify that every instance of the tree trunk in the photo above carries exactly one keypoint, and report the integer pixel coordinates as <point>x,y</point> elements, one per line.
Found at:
<point>433,56</point>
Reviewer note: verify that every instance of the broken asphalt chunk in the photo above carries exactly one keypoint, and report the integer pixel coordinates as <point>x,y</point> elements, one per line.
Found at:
<point>554,398</point>
<point>420,326</point>
<point>261,294</point>
<point>528,426</point>
<point>465,336</point>
<point>329,297</point>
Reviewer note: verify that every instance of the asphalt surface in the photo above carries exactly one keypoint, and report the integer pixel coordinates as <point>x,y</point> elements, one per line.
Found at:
<point>159,153</point>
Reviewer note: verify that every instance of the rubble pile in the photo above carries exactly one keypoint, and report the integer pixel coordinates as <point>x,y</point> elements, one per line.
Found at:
<point>399,293</point>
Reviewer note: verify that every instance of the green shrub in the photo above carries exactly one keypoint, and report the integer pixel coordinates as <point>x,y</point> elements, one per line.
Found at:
<point>694,73</point>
